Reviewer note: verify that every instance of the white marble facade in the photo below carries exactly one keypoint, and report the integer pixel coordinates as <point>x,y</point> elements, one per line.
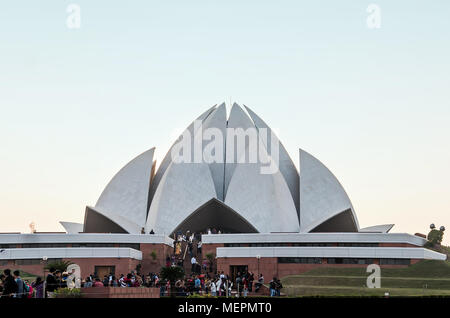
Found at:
<point>139,198</point>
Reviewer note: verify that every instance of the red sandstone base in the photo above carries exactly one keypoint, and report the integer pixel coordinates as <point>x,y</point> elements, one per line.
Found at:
<point>119,292</point>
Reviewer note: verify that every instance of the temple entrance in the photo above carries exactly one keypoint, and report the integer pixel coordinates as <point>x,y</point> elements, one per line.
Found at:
<point>235,269</point>
<point>101,271</point>
<point>215,214</point>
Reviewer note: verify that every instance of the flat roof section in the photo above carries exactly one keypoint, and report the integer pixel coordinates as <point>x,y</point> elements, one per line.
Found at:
<point>314,238</point>
<point>324,252</point>
<point>85,238</point>
<point>69,252</point>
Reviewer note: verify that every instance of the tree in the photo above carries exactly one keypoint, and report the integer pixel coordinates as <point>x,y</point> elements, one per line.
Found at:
<point>58,265</point>
<point>153,255</point>
<point>138,268</point>
<point>210,257</point>
<point>172,274</point>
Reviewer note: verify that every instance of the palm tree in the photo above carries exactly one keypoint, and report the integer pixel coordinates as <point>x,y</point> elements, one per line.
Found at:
<point>58,265</point>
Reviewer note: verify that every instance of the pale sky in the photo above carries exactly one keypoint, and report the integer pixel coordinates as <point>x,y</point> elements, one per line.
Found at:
<point>372,104</point>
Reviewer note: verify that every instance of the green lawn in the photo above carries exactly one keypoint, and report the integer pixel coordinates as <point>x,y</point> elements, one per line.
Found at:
<point>425,268</point>
<point>424,278</point>
<point>28,277</point>
<point>330,291</point>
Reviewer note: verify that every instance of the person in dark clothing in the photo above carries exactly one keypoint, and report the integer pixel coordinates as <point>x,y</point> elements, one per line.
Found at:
<point>2,278</point>
<point>52,283</point>
<point>278,287</point>
<point>9,284</point>
<point>239,284</point>
<point>38,286</point>
<point>105,281</point>
<point>273,287</point>
<point>21,289</point>
<point>250,279</point>
<point>58,277</point>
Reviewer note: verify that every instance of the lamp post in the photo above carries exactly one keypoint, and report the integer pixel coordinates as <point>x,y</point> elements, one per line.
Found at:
<point>258,257</point>
<point>44,259</point>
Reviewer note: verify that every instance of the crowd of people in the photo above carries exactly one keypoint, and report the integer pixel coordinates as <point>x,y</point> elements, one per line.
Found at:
<point>222,285</point>
<point>199,281</point>
<point>132,279</point>
<point>12,285</point>
<point>217,285</point>
<point>275,287</point>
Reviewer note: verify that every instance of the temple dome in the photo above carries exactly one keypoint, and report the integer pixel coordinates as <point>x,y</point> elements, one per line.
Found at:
<point>229,193</point>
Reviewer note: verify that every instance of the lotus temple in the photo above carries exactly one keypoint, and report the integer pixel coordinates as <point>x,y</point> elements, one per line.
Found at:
<point>280,223</point>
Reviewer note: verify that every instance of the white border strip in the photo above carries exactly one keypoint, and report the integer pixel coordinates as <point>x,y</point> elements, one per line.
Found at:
<point>345,252</point>
<point>314,238</point>
<point>70,252</point>
<point>85,238</point>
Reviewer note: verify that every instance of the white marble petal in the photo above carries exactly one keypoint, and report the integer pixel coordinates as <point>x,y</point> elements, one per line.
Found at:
<point>183,188</point>
<point>383,228</point>
<point>168,158</point>
<point>72,227</point>
<point>286,165</point>
<point>122,221</point>
<point>238,119</point>
<point>321,194</point>
<point>126,195</point>
<point>264,200</point>
<point>217,120</point>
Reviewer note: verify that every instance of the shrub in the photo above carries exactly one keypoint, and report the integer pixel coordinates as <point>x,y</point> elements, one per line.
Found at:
<point>435,237</point>
<point>172,274</point>
<point>201,296</point>
<point>68,293</point>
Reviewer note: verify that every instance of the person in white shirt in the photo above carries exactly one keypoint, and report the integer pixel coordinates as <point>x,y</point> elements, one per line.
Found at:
<point>218,285</point>
<point>199,247</point>
<point>193,263</point>
<point>122,281</point>
<point>213,288</point>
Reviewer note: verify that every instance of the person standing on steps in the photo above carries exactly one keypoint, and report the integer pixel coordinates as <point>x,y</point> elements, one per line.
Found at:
<point>259,283</point>
<point>193,264</point>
